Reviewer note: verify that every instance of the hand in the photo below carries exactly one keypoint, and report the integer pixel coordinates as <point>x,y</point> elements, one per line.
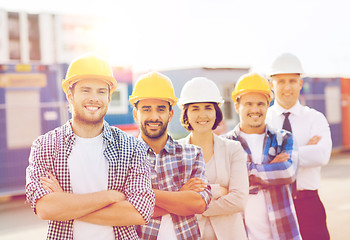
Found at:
<point>116,196</point>
<point>314,140</point>
<point>282,157</point>
<point>194,184</point>
<point>50,183</point>
<point>224,191</point>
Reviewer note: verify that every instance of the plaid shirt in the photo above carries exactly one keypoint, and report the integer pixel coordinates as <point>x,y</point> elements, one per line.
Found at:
<point>127,159</point>
<point>176,164</point>
<point>275,179</point>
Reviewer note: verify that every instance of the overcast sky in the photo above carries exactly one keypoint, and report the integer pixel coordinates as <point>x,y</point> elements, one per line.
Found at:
<point>158,34</point>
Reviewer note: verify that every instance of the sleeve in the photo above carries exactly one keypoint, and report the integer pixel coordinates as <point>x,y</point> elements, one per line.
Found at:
<point>319,154</point>
<point>198,170</point>
<point>237,197</point>
<point>276,173</point>
<point>37,168</point>
<point>138,187</point>
<point>215,190</point>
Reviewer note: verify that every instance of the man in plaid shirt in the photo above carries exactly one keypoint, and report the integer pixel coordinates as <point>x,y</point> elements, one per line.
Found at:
<point>272,163</point>
<point>90,180</point>
<point>174,167</point>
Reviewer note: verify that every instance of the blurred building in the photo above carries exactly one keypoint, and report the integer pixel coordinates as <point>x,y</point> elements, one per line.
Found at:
<point>46,38</point>
<point>35,50</point>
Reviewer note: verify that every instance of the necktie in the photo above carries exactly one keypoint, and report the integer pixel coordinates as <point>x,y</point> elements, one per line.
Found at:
<point>288,127</point>
<point>286,123</point>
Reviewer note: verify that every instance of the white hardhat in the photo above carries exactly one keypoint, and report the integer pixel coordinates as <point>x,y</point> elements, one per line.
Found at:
<point>286,63</point>
<point>199,89</point>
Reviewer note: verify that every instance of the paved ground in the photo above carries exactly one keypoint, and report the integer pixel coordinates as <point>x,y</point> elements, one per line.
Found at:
<point>335,194</point>
<point>17,221</point>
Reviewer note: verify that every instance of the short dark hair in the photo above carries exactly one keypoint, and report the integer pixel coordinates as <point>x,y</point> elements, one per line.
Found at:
<point>137,103</point>
<point>238,100</point>
<point>184,117</point>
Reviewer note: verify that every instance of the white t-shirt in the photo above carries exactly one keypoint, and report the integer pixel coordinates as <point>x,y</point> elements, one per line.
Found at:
<point>166,229</point>
<point>255,213</point>
<point>88,170</point>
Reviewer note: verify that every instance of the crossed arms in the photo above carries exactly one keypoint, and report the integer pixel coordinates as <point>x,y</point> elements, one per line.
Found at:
<point>107,207</point>
<point>184,202</point>
<point>317,151</point>
<point>193,197</point>
<point>280,170</point>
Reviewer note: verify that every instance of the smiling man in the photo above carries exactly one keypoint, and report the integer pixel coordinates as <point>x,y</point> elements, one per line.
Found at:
<point>272,163</point>
<point>172,164</point>
<point>311,130</point>
<point>90,180</point>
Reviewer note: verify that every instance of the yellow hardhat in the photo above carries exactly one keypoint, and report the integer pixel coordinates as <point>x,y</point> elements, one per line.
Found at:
<point>89,66</point>
<point>252,82</point>
<point>153,85</point>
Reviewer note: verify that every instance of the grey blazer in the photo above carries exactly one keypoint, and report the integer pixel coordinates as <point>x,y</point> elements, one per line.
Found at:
<point>225,212</point>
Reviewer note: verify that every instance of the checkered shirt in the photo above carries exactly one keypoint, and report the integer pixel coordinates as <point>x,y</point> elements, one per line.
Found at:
<point>274,179</point>
<point>127,159</point>
<point>175,166</point>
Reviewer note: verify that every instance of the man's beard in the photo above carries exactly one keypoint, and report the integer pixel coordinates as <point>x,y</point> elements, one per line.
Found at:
<point>161,132</point>
<point>255,126</point>
<point>82,118</point>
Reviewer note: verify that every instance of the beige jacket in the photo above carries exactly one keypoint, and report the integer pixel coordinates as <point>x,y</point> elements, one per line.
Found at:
<point>225,212</point>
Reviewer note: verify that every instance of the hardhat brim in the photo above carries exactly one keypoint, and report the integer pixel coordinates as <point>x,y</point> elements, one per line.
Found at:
<point>281,72</point>
<point>70,81</point>
<point>181,103</point>
<point>135,100</point>
<point>238,95</point>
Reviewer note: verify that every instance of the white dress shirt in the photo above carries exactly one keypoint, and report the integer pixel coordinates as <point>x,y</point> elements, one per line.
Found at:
<point>306,123</point>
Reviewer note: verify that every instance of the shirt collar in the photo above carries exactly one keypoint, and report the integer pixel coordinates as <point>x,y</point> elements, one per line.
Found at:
<point>168,145</point>
<point>107,133</point>
<point>69,134</point>
<point>293,110</point>
<point>237,131</point>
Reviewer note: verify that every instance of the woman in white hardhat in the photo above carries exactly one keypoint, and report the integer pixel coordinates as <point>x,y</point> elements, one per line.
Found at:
<point>226,170</point>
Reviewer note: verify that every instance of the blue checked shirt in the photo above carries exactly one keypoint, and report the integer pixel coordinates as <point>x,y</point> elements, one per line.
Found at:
<point>175,165</point>
<point>275,180</point>
<point>128,173</point>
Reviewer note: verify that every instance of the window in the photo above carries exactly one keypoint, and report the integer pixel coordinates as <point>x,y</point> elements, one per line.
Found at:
<point>22,117</point>
<point>34,37</point>
<point>119,100</point>
<point>230,115</point>
<point>14,36</point>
